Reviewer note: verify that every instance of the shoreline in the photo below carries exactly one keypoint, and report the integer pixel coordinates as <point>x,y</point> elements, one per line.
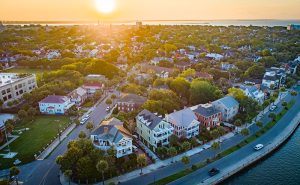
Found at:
<point>256,157</point>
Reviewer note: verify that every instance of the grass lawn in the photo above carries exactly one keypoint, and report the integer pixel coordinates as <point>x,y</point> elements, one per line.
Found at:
<point>30,142</point>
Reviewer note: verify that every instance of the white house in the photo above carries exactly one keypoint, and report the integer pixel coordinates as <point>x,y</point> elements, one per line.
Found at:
<point>78,96</point>
<point>152,129</point>
<point>184,122</point>
<point>53,54</point>
<point>228,106</point>
<point>274,77</point>
<point>214,56</point>
<point>110,134</point>
<point>55,104</point>
<point>253,92</point>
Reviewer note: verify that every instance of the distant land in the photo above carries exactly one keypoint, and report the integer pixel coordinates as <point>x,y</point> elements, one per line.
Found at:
<point>234,22</point>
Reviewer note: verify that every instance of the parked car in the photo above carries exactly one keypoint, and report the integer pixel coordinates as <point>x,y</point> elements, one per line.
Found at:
<point>87,116</point>
<point>107,109</point>
<point>258,147</point>
<point>273,107</point>
<point>83,120</point>
<point>213,172</point>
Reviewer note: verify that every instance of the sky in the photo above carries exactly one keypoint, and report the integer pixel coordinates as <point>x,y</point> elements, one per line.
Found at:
<point>85,10</point>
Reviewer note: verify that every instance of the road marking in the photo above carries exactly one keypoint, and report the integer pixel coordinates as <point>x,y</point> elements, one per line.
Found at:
<point>44,177</point>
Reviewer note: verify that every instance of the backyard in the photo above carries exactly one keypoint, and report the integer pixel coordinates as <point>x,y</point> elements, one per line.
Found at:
<point>30,142</point>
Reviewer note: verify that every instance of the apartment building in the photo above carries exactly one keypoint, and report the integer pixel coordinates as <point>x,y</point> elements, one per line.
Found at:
<point>14,85</point>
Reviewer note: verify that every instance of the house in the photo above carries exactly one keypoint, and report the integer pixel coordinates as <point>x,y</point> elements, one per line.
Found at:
<point>293,27</point>
<point>228,106</point>
<point>152,129</point>
<point>78,96</point>
<point>130,102</point>
<point>55,104</point>
<point>227,67</point>
<point>92,88</point>
<point>155,61</point>
<point>253,92</point>
<point>201,75</point>
<point>93,53</point>
<point>208,115</point>
<point>183,65</point>
<point>274,77</point>
<point>214,56</point>
<point>162,72</point>
<point>184,122</point>
<point>14,85</point>
<point>111,133</point>
<point>53,54</point>
<point>290,67</point>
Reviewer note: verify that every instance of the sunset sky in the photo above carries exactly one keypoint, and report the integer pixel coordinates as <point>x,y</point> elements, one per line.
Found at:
<point>86,10</point>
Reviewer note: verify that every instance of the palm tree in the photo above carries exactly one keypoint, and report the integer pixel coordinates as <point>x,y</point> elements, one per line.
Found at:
<point>102,166</point>
<point>259,124</point>
<point>186,146</point>
<point>215,146</point>
<point>272,115</point>
<point>89,126</point>
<point>221,131</point>
<point>238,122</point>
<point>245,131</point>
<point>185,160</point>
<point>142,161</point>
<point>172,152</point>
<point>82,135</point>
<point>14,171</point>
<point>68,173</point>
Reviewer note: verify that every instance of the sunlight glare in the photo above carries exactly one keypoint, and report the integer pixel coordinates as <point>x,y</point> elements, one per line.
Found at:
<point>105,6</point>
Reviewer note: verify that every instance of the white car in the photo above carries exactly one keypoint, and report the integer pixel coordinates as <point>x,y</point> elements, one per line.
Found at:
<point>273,107</point>
<point>258,147</point>
<point>83,120</point>
<point>107,109</point>
<point>87,116</point>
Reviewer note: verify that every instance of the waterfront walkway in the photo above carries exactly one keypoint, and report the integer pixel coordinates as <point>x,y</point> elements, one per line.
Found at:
<point>246,155</point>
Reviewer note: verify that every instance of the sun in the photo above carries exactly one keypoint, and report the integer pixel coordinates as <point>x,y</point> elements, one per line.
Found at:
<point>105,6</point>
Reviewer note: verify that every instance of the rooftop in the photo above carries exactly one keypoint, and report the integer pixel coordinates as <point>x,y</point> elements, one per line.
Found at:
<point>228,101</point>
<point>206,110</point>
<point>149,119</point>
<point>9,78</point>
<point>183,117</point>
<point>54,99</point>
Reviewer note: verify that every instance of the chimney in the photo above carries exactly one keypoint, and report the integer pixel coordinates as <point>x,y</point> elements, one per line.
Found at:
<point>105,130</point>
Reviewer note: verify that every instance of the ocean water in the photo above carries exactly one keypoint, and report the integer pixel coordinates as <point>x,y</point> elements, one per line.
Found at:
<point>267,22</point>
<point>281,168</point>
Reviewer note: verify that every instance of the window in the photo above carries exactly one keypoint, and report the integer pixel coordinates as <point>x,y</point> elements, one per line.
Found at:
<point>8,90</point>
<point>3,92</point>
<point>9,96</point>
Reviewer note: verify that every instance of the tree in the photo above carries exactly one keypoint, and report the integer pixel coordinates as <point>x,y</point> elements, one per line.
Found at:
<point>188,72</point>
<point>22,114</point>
<point>238,122</point>
<point>221,131</point>
<point>272,115</point>
<point>203,92</point>
<point>284,104</point>
<point>82,135</point>
<point>102,166</point>
<point>89,126</point>
<point>172,152</point>
<point>68,174</point>
<point>245,132</point>
<point>113,96</point>
<point>142,161</point>
<point>108,101</point>
<point>238,94</point>
<point>259,124</point>
<point>14,171</point>
<point>215,146</point>
<point>180,86</point>
<point>268,61</point>
<point>185,160</point>
<point>294,93</point>
<point>173,140</point>
<point>255,72</point>
<point>186,146</point>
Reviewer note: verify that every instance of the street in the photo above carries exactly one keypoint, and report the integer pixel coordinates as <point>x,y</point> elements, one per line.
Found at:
<point>46,172</point>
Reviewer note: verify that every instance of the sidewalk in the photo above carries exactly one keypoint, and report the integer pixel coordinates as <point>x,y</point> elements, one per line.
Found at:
<point>10,141</point>
<point>231,170</point>
<point>55,143</point>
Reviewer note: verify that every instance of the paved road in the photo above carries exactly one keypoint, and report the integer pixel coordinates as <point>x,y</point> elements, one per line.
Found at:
<point>46,172</point>
<point>202,156</point>
<point>202,174</point>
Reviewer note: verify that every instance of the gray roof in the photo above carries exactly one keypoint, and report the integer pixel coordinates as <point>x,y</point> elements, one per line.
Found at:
<point>183,117</point>
<point>150,117</point>
<point>228,101</point>
<point>133,98</point>
<point>206,111</point>
<point>113,135</point>
<point>54,99</point>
